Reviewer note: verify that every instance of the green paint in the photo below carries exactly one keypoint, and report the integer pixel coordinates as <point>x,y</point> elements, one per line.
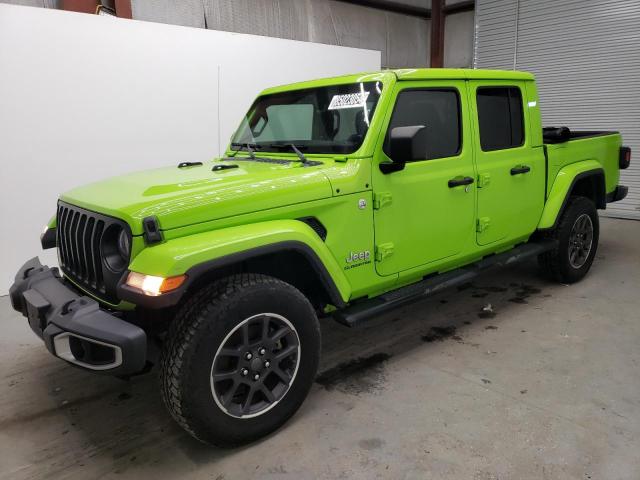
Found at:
<point>384,231</point>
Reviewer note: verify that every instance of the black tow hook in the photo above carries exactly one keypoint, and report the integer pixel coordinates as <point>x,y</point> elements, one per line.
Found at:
<point>65,308</point>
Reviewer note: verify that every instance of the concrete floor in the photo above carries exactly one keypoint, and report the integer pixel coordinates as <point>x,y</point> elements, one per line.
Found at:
<point>548,386</point>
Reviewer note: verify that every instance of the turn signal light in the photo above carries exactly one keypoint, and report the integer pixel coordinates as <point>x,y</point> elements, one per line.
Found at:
<point>152,285</point>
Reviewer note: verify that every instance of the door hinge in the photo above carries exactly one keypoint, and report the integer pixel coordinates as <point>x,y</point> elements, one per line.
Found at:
<point>381,199</point>
<point>484,179</point>
<point>383,251</point>
<point>482,224</point>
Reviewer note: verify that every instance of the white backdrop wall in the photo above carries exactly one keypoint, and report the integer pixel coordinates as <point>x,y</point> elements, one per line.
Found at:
<point>84,97</point>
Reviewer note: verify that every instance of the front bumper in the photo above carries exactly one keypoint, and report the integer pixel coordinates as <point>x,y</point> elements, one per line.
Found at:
<point>73,326</point>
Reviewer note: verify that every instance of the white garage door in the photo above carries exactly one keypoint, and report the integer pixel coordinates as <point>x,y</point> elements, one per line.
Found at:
<point>586,58</point>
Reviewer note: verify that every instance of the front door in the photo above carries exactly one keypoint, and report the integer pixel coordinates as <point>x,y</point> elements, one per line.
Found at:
<point>511,173</point>
<point>426,212</point>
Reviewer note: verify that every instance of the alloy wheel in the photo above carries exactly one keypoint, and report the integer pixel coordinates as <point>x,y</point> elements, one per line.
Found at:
<point>580,241</point>
<point>255,365</point>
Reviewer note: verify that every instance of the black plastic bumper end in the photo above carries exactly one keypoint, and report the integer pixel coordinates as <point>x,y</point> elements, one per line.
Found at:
<point>73,326</point>
<point>618,194</point>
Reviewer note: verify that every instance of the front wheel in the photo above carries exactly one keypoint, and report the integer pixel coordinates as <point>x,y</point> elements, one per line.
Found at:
<point>577,236</point>
<point>241,357</point>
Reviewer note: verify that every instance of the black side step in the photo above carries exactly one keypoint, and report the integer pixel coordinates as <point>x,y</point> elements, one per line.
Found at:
<point>360,311</point>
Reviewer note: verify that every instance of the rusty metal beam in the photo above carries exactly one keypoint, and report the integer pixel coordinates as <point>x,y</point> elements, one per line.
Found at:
<point>437,34</point>
<point>123,8</point>
<point>84,6</point>
<point>437,13</point>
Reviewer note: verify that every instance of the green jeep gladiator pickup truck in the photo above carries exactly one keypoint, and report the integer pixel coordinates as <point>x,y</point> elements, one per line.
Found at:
<point>342,197</point>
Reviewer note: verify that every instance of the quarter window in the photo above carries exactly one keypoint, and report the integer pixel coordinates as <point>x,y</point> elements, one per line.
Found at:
<point>500,118</point>
<point>438,111</point>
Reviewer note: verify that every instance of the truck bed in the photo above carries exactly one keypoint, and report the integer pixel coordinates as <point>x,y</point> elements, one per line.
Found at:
<point>564,134</point>
<point>563,147</point>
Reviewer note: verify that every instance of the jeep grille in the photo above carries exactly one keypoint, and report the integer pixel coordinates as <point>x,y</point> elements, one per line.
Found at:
<point>78,235</point>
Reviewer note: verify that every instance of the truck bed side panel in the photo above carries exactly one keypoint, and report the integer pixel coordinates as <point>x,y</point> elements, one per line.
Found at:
<point>603,148</point>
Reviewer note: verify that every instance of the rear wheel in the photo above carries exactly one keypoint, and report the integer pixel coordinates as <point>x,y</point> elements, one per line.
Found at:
<point>577,236</point>
<point>241,357</point>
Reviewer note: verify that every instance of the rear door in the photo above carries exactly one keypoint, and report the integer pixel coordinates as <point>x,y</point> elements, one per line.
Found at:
<point>419,217</point>
<point>511,174</point>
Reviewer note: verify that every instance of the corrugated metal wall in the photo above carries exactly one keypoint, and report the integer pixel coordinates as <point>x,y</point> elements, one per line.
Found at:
<point>495,34</point>
<point>586,57</point>
<point>402,39</point>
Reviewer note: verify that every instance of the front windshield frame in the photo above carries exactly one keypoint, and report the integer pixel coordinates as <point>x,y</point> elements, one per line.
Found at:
<point>340,118</point>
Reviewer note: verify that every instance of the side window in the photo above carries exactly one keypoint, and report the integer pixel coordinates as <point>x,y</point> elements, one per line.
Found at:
<point>500,118</point>
<point>439,111</point>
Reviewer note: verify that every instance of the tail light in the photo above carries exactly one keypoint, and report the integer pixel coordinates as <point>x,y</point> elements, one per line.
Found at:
<point>625,157</point>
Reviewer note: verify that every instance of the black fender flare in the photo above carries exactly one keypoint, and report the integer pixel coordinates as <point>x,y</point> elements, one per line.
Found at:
<point>197,272</point>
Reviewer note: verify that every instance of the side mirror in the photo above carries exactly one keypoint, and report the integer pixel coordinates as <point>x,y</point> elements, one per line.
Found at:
<point>406,144</point>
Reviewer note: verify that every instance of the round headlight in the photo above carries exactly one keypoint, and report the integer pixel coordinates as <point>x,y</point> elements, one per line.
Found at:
<point>124,245</point>
<point>116,248</point>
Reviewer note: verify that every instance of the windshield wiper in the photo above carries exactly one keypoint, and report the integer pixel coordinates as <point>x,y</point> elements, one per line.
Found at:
<point>302,158</point>
<point>246,145</point>
<point>293,147</point>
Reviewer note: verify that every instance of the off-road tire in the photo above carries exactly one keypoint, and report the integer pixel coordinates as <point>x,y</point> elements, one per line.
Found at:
<point>199,330</point>
<point>556,264</point>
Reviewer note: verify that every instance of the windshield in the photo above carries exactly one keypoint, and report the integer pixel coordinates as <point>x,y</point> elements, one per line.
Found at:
<point>332,119</point>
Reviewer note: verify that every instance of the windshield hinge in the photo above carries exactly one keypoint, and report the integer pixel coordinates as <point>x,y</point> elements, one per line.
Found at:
<point>383,251</point>
<point>484,179</point>
<point>381,199</point>
<point>482,224</point>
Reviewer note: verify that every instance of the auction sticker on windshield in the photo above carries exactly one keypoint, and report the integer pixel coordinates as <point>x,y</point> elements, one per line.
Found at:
<point>349,100</point>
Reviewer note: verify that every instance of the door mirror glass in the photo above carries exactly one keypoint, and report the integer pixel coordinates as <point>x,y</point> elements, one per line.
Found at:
<point>406,144</point>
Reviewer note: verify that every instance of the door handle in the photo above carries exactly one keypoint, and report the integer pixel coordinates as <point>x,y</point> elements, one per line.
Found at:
<point>456,182</point>
<point>520,169</point>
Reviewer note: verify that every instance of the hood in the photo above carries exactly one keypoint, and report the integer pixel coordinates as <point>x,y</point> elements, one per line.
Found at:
<point>184,196</point>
